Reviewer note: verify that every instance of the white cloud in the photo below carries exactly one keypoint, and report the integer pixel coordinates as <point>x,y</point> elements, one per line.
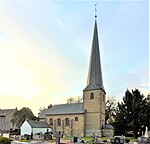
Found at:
<point>137,78</point>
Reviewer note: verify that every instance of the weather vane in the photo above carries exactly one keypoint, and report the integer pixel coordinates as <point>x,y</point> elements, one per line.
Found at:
<point>95,10</point>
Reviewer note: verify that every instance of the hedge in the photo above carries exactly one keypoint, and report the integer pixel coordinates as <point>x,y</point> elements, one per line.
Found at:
<point>4,140</point>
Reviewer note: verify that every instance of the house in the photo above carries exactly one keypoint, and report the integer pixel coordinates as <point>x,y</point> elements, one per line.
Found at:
<point>5,119</point>
<point>33,127</point>
<point>87,118</point>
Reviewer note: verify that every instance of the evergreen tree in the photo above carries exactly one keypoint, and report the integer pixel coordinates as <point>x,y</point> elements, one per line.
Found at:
<point>148,112</point>
<point>120,122</point>
<point>139,113</point>
<point>131,114</point>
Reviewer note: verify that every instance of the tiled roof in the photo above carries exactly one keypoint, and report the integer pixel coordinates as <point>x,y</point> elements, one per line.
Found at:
<point>38,124</point>
<point>74,108</point>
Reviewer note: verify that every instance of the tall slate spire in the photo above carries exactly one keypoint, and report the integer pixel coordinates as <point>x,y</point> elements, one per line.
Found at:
<point>95,80</point>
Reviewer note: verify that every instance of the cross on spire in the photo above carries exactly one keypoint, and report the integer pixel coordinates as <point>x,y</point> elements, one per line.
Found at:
<point>95,10</point>
<point>95,80</point>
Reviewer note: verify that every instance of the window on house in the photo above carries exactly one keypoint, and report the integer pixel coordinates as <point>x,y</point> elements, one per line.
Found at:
<point>76,118</point>
<point>92,95</point>
<point>51,121</point>
<point>59,122</point>
<point>67,121</point>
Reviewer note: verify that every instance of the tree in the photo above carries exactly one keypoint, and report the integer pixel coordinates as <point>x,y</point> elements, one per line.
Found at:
<point>50,106</point>
<point>120,122</point>
<point>21,115</point>
<point>110,110</point>
<point>139,115</point>
<point>148,98</point>
<point>130,115</point>
<point>147,112</point>
<point>41,109</point>
<point>70,100</point>
<point>77,99</point>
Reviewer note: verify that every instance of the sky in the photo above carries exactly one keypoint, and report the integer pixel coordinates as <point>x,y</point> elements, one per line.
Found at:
<point>45,49</point>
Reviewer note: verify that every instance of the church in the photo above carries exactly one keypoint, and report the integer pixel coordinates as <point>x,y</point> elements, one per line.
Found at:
<point>87,118</point>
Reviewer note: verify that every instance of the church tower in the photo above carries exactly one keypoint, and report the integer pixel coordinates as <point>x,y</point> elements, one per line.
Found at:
<point>94,93</point>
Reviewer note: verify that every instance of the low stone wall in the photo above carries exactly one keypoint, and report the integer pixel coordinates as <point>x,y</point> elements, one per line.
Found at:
<point>108,132</point>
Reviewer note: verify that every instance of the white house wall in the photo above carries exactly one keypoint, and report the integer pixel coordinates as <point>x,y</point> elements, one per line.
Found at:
<point>26,128</point>
<point>42,130</point>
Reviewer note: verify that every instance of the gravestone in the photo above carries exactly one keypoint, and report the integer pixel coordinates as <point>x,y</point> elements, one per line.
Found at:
<point>58,136</point>
<point>146,133</point>
<point>143,140</point>
<point>117,140</point>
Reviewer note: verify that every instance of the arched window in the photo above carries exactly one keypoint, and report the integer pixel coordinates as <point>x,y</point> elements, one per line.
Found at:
<point>76,119</point>
<point>51,121</point>
<point>67,121</point>
<point>92,95</point>
<point>59,122</point>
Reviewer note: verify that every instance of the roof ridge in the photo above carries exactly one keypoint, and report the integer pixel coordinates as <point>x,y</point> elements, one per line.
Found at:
<point>68,104</point>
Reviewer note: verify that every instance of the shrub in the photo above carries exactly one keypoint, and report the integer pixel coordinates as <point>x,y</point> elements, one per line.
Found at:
<point>105,141</point>
<point>4,140</point>
<point>127,140</point>
<point>23,140</point>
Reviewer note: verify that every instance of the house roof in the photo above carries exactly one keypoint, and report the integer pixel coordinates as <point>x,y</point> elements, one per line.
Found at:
<point>5,112</point>
<point>38,124</point>
<point>74,108</point>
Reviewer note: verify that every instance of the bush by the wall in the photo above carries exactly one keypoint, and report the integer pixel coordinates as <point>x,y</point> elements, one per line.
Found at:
<point>105,141</point>
<point>127,140</point>
<point>4,140</point>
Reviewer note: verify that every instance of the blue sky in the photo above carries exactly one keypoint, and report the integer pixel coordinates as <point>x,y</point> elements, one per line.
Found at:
<point>45,49</point>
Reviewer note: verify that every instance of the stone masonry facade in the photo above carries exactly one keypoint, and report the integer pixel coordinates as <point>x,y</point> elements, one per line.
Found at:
<point>87,118</point>
<point>68,125</point>
<point>95,111</point>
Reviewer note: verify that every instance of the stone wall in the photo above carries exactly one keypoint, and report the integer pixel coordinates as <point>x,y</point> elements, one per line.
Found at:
<point>75,128</point>
<point>108,133</point>
<point>95,111</point>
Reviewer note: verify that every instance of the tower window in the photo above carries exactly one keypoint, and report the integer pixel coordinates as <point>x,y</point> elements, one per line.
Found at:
<point>59,122</point>
<point>67,121</point>
<point>92,95</point>
<point>51,121</point>
<point>76,119</point>
<point>103,97</point>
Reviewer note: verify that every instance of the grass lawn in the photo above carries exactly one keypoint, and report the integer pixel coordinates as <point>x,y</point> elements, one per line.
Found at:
<point>132,139</point>
<point>104,138</point>
<point>85,138</point>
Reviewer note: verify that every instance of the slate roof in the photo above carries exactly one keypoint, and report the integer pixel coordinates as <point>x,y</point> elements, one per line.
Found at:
<point>95,80</point>
<point>38,124</point>
<point>5,112</point>
<point>74,108</point>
